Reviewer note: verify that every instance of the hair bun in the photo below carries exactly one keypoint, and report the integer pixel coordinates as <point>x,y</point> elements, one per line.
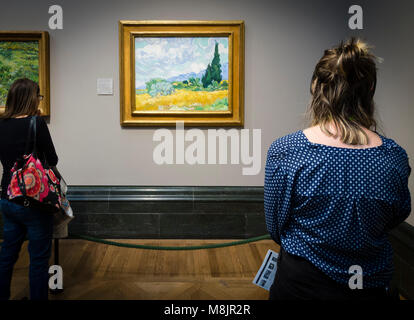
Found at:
<point>349,55</point>
<point>355,45</point>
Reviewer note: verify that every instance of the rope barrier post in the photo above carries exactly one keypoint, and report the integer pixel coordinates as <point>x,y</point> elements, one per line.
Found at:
<point>56,251</point>
<point>56,258</point>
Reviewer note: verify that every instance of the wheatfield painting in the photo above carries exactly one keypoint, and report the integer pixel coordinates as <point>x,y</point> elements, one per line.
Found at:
<point>183,74</point>
<point>18,59</point>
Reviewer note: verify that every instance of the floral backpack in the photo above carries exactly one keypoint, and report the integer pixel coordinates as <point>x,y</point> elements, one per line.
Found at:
<point>33,183</point>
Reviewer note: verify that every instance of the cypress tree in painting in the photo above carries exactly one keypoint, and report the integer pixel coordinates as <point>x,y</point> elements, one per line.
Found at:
<point>216,66</point>
<point>213,71</point>
<point>206,80</point>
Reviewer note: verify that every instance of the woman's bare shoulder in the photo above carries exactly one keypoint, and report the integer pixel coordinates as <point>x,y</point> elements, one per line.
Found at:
<point>316,135</point>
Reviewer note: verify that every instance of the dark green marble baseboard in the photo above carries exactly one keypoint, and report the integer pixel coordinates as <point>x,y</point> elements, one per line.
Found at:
<point>167,212</point>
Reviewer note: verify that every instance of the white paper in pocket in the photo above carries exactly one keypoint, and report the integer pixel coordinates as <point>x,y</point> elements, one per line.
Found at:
<point>266,274</point>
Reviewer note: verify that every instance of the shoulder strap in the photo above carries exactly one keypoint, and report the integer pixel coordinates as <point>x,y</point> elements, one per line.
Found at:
<point>31,131</point>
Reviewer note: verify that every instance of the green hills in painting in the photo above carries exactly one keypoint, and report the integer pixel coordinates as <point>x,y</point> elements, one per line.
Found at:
<point>18,59</point>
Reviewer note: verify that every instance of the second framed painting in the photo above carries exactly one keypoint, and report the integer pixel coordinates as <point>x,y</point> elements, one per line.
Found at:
<point>191,71</point>
<point>25,54</point>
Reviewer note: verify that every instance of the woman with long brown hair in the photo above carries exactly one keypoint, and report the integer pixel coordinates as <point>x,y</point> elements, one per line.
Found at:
<point>18,221</point>
<point>334,190</point>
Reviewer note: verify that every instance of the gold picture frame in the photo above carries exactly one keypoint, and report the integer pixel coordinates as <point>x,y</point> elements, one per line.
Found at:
<point>139,106</point>
<point>41,39</point>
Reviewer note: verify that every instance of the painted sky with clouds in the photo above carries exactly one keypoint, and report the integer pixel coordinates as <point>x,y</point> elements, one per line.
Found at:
<point>168,57</point>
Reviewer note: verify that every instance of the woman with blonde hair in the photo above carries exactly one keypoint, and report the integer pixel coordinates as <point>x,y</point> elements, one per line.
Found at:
<point>335,189</point>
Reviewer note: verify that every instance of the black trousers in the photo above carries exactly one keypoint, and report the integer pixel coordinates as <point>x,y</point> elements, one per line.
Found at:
<point>298,279</point>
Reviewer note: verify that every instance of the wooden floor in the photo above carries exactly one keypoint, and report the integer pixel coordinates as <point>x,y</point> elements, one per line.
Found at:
<point>99,271</point>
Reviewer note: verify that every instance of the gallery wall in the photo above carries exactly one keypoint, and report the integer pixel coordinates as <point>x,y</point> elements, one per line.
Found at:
<point>283,42</point>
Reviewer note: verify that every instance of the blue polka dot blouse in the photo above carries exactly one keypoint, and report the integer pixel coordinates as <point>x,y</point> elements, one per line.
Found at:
<point>334,206</point>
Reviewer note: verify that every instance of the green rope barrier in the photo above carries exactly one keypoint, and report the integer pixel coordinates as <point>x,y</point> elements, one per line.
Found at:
<point>141,246</point>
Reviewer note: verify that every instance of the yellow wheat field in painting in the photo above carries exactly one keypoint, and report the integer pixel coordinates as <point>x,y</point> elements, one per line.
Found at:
<point>180,100</point>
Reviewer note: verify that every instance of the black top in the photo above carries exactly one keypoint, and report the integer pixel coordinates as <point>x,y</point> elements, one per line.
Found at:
<point>13,138</point>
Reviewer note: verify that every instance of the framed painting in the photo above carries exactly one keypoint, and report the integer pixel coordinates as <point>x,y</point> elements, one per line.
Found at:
<point>191,71</point>
<point>25,55</point>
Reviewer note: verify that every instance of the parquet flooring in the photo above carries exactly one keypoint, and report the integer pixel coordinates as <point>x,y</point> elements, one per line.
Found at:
<point>98,271</point>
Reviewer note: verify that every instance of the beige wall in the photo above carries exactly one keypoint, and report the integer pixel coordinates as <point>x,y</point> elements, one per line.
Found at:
<point>284,39</point>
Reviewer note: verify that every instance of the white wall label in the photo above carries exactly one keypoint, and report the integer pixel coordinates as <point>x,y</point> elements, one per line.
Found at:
<point>105,87</point>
